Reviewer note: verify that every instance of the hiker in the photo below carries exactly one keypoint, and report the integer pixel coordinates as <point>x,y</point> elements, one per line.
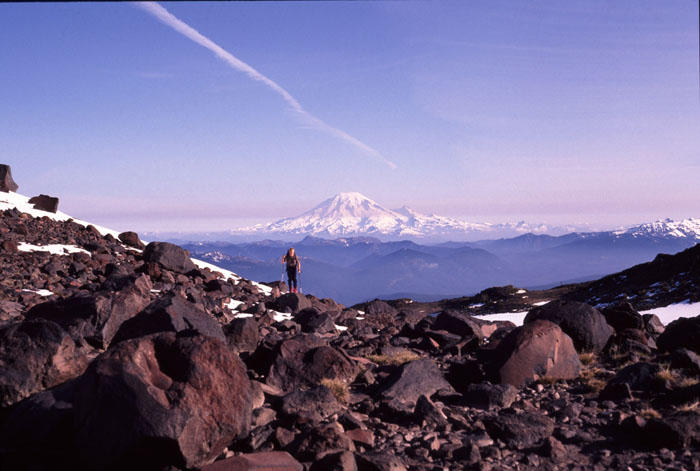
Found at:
<point>293,266</point>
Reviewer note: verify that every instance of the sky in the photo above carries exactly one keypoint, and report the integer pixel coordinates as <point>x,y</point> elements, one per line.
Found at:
<point>488,111</point>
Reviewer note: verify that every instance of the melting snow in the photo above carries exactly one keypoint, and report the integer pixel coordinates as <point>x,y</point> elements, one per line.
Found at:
<point>516,318</point>
<point>541,303</point>
<point>233,305</point>
<point>56,249</point>
<point>521,291</point>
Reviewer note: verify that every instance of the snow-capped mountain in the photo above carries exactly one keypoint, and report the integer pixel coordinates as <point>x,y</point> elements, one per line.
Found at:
<point>353,214</point>
<point>667,228</point>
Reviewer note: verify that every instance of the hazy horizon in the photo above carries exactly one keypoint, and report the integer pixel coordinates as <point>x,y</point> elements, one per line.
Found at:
<point>193,117</point>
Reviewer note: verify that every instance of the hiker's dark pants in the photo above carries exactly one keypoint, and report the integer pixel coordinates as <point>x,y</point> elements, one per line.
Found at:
<point>292,276</point>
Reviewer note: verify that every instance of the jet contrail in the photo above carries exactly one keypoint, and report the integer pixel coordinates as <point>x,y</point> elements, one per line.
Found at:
<point>186,30</point>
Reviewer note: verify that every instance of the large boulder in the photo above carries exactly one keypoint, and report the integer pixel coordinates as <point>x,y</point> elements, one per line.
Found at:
<point>313,320</point>
<point>242,334</point>
<point>623,316</point>
<point>44,203</point>
<point>131,239</point>
<point>677,431</point>
<point>170,313</point>
<point>36,355</point>
<point>7,184</point>
<point>681,333</point>
<point>532,351</point>
<point>414,379</point>
<point>298,363</point>
<point>98,316</point>
<point>161,400</point>
<point>458,323</point>
<point>169,256</point>
<point>585,325</point>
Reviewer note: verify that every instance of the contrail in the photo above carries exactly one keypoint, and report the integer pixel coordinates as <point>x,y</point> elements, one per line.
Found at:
<point>186,30</point>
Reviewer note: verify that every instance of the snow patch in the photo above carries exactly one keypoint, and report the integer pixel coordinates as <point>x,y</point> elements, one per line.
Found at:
<point>40,292</point>
<point>672,312</point>
<point>516,318</point>
<point>56,249</point>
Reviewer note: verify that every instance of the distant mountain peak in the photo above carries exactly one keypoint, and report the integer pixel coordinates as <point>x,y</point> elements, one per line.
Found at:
<point>685,228</point>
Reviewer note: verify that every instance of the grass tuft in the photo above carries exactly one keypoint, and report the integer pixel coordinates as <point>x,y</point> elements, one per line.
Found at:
<point>338,388</point>
<point>650,413</point>
<point>690,407</point>
<point>587,358</point>
<point>665,374</point>
<point>393,359</point>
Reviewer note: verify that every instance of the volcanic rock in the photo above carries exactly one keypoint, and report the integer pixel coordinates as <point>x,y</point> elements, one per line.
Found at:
<point>642,376</point>
<point>414,379</point>
<point>44,203</point>
<point>623,316</point>
<point>161,400</point>
<point>168,256</point>
<point>97,316</point>
<point>7,184</point>
<point>378,461</point>
<point>290,302</point>
<point>131,239</point>
<point>678,431</point>
<point>458,323</point>
<point>170,313</point>
<point>534,350</point>
<point>268,460</point>
<point>681,333</point>
<point>682,358</point>
<point>242,334</point>
<point>35,355</point>
<point>524,430</point>
<point>489,396</point>
<point>585,325</point>
<point>314,405</point>
<point>313,320</point>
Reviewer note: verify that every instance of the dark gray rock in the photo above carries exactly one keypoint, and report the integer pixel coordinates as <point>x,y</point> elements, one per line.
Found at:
<point>685,359</point>
<point>525,430</point>
<point>169,256</point>
<point>170,313</point>
<point>623,316</point>
<point>131,239</point>
<point>681,333</point>
<point>7,184</point>
<point>314,405</point>
<point>414,379</point>
<point>242,334</point>
<point>585,325</point>
<point>489,396</point>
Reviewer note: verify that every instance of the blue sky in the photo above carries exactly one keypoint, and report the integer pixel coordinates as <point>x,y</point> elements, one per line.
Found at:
<point>548,111</point>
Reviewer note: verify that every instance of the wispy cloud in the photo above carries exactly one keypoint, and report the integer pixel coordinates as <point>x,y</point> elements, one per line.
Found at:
<point>307,118</point>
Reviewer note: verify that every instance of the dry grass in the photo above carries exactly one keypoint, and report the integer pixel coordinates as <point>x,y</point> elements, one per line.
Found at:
<point>393,359</point>
<point>686,382</point>
<point>591,378</point>
<point>650,413</point>
<point>338,388</point>
<point>587,358</point>
<point>547,380</point>
<point>689,407</point>
<point>665,373</point>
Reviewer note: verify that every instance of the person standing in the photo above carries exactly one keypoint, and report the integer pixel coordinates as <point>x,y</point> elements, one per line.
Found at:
<point>293,267</point>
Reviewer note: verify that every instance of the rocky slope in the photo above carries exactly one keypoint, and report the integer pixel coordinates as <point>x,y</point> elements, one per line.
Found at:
<point>119,356</point>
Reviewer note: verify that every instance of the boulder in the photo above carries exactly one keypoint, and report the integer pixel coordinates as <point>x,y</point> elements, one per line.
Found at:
<point>131,239</point>
<point>44,203</point>
<point>342,461</point>
<point>7,184</point>
<point>585,325</point>
<point>681,333</point>
<point>242,334</point>
<point>98,316</point>
<point>36,355</point>
<point>685,359</point>
<point>170,313</point>
<point>314,405</point>
<point>524,430</point>
<point>427,413</point>
<point>299,363</point>
<point>640,376</point>
<point>653,325</point>
<point>161,400</point>
<point>489,396</point>
<point>379,461</point>
<point>315,442</point>
<point>414,379</point>
<point>532,351</point>
<point>290,302</point>
<point>458,323</point>
<point>313,320</point>
<point>623,316</point>
<point>169,256</point>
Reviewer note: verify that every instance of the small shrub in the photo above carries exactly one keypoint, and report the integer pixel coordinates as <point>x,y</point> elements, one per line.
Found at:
<point>393,359</point>
<point>548,380</point>
<point>686,382</point>
<point>665,374</point>
<point>587,358</point>
<point>338,388</point>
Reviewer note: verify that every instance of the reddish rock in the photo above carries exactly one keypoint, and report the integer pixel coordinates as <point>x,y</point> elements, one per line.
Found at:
<point>266,461</point>
<point>533,351</point>
<point>413,379</point>
<point>44,203</point>
<point>36,355</point>
<point>131,239</point>
<point>161,400</point>
<point>7,184</point>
